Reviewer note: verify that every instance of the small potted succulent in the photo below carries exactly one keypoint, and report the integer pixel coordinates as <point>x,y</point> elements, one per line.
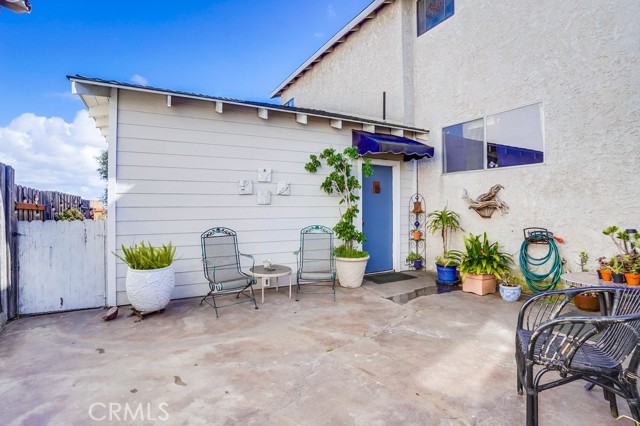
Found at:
<point>416,258</point>
<point>511,286</point>
<point>632,267</point>
<point>150,277</point>
<point>617,270</point>
<point>604,271</point>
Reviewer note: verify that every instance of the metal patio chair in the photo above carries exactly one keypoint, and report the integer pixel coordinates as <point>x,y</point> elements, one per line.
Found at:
<point>315,260</point>
<point>602,350</point>
<point>222,268</point>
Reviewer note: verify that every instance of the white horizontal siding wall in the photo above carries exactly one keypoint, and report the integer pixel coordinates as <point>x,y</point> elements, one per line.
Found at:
<point>178,170</point>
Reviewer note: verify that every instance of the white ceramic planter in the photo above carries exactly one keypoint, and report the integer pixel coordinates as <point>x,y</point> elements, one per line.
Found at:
<point>351,271</point>
<point>150,290</point>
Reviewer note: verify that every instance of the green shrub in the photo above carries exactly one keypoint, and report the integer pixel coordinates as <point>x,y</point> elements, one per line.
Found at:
<point>71,215</point>
<point>145,257</point>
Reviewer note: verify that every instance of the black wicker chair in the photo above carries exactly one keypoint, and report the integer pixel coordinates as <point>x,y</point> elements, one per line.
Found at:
<point>315,259</point>
<point>222,269</point>
<point>602,350</point>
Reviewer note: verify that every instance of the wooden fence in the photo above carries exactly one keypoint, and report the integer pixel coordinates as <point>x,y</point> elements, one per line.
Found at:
<point>8,246</point>
<point>33,204</point>
<point>19,203</point>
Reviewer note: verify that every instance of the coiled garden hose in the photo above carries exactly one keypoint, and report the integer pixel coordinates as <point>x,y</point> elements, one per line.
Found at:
<point>534,280</point>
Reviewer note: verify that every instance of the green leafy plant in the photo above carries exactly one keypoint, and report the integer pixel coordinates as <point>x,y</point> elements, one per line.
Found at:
<point>343,182</point>
<point>584,258</point>
<point>483,257</point>
<point>450,258</point>
<point>617,267</point>
<point>621,239</point>
<point>146,256</point>
<point>446,221</point>
<point>413,256</point>
<point>511,278</point>
<point>71,215</point>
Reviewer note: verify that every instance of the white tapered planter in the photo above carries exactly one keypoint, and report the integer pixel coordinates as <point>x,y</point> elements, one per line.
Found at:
<point>351,271</point>
<point>150,290</point>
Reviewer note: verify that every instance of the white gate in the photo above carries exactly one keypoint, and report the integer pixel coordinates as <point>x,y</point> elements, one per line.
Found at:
<point>61,265</point>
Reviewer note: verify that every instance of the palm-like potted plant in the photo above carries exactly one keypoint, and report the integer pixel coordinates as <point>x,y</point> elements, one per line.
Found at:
<point>446,221</point>
<point>150,277</point>
<point>351,262</point>
<point>481,264</point>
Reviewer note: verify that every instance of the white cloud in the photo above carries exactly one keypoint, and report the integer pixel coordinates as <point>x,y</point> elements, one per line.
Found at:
<point>138,79</point>
<point>48,153</point>
<point>331,12</point>
<point>318,34</point>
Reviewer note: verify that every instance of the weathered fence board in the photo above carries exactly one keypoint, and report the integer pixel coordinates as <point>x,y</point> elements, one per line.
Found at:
<point>8,279</point>
<point>62,265</point>
<point>4,260</point>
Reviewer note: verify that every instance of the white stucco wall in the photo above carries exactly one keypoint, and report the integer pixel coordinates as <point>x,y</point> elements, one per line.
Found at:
<point>579,59</point>
<point>353,77</point>
<point>177,174</point>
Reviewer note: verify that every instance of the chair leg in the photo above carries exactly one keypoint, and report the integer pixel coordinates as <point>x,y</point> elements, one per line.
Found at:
<point>253,297</point>
<point>532,396</point>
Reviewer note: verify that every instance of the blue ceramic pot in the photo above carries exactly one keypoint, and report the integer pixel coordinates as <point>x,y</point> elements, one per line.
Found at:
<point>510,294</point>
<point>417,264</point>
<point>447,274</point>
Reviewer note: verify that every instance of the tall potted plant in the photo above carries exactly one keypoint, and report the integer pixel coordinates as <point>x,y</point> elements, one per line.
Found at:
<point>350,261</point>
<point>482,263</point>
<point>446,221</point>
<point>150,277</point>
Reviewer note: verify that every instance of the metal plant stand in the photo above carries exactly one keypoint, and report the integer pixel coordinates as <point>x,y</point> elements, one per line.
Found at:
<point>417,229</point>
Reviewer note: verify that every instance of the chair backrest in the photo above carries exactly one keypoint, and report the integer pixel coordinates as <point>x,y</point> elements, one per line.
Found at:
<point>316,250</point>
<point>620,339</point>
<point>220,257</point>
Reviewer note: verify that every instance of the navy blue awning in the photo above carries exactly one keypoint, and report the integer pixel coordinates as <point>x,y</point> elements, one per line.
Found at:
<point>374,143</point>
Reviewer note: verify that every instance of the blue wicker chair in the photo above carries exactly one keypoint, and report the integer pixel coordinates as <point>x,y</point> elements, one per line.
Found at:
<point>315,260</point>
<point>601,350</point>
<point>222,268</point>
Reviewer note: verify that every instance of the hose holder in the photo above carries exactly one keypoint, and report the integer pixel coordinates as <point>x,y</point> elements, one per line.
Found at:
<point>536,235</point>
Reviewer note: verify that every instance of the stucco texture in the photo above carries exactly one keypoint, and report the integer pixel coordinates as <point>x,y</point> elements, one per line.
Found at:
<point>579,60</point>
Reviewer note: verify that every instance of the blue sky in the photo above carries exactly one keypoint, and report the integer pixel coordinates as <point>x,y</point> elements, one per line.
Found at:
<point>232,48</point>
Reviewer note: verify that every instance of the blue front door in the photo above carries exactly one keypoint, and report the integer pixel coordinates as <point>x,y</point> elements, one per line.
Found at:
<point>377,218</point>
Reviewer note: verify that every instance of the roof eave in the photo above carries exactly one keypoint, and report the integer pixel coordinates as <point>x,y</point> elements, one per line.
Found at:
<point>79,82</point>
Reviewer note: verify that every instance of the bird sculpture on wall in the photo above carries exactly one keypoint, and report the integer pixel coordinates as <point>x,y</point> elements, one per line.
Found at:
<point>487,203</point>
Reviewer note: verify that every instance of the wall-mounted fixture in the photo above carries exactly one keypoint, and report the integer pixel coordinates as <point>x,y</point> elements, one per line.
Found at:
<point>264,175</point>
<point>245,187</point>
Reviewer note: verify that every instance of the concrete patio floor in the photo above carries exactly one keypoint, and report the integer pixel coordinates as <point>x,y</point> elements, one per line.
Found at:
<point>441,359</point>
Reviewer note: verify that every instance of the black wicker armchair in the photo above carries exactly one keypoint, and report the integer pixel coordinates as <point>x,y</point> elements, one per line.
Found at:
<point>602,350</point>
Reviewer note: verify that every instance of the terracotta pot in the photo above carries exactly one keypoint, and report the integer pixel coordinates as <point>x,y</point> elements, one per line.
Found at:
<point>587,302</point>
<point>632,279</point>
<point>479,284</point>
<point>606,274</point>
<point>417,207</point>
<point>416,235</point>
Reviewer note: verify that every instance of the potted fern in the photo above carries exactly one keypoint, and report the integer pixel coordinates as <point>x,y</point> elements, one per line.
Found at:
<point>351,262</point>
<point>150,277</point>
